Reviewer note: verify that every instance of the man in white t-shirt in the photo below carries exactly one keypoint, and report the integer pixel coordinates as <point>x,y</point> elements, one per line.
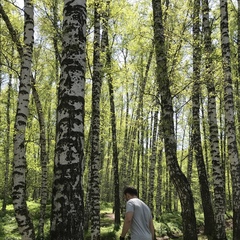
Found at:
<point>138,217</point>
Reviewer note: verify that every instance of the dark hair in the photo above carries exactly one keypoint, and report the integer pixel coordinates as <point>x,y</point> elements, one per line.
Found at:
<point>131,190</point>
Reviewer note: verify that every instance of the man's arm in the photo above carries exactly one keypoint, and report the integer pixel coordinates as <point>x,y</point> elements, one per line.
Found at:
<point>127,223</point>
<point>151,226</point>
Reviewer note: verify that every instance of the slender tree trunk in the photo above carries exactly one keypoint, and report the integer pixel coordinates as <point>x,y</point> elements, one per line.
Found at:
<point>144,157</point>
<point>19,195</point>
<point>67,197</point>
<point>197,143</point>
<point>233,154</point>
<point>7,147</point>
<point>190,157</point>
<point>159,177</point>
<point>125,144</point>
<point>238,68</point>
<point>95,150</point>
<point>152,166</point>
<point>106,47</point>
<point>177,177</point>
<point>44,161</point>
<point>0,57</point>
<point>143,165</point>
<point>217,169</point>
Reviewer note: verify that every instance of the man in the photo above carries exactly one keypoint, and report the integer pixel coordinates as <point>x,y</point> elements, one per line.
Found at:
<point>138,217</point>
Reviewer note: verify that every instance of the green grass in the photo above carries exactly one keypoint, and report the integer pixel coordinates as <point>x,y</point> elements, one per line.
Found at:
<point>170,223</point>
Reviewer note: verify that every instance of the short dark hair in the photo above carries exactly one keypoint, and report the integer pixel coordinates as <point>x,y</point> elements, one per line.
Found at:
<point>131,190</point>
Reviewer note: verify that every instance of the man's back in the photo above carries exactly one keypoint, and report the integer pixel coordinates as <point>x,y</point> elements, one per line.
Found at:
<point>141,219</point>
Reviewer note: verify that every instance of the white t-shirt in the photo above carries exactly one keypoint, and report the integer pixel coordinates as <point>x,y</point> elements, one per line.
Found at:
<point>141,218</point>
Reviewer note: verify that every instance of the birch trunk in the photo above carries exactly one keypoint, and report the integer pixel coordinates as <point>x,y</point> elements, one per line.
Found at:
<point>153,157</point>
<point>115,161</point>
<point>43,160</point>
<point>19,196</point>
<point>233,154</point>
<point>177,177</point>
<point>67,197</point>
<point>7,148</point>
<point>197,142</point>
<point>217,168</point>
<point>95,150</point>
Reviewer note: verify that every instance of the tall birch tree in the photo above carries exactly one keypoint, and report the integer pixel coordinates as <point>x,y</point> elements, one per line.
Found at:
<point>67,217</point>
<point>95,127</point>
<point>43,161</point>
<point>196,135</point>
<point>232,149</point>
<point>19,196</point>
<point>153,157</point>
<point>7,147</point>
<point>178,178</point>
<point>106,48</point>
<point>217,168</point>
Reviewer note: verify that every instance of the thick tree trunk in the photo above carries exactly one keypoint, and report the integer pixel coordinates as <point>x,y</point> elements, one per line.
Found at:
<point>67,197</point>
<point>95,150</point>
<point>19,196</point>
<point>177,177</point>
<point>197,143</point>
<point>233,154</point>
<point>217,169</point>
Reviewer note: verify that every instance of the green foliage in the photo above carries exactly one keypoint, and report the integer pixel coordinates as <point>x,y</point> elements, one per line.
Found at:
<point>106,234</point>
<point>170,224</point>
<point>8,225</point>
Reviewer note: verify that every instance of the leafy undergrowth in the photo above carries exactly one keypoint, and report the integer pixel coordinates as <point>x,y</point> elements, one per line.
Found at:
<point>168,227</point>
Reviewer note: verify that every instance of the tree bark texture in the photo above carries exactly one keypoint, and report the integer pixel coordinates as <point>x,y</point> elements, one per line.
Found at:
<point>197,143</point>
<point>233,154</point>
<point>153,157</point>
<point>217,168</point>
<point>44,161</point>
<point>19,196</point>
<point>95,150</point>
<point>67,197</point>
<point>7,148</point>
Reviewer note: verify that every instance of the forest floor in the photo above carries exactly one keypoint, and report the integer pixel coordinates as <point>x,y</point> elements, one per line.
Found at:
<point>201,236</point>
<point>168,229</point>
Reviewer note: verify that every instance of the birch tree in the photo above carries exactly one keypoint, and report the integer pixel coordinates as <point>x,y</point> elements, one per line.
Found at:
<point>153,157</point>
<point>196,137</point>
<point>19,196</point>
<point>95,128</point>
<point>217,168</point>
<point>67,197</point>
<point>106,47</point>
<point>178,178</point>
<point>232,149</point>
<point>7,147</point>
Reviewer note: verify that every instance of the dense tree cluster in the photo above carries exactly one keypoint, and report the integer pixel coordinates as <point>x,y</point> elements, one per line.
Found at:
<point>96,95</point>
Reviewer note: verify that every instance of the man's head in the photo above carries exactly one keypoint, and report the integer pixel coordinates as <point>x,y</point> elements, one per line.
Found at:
<point>130,192</point>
